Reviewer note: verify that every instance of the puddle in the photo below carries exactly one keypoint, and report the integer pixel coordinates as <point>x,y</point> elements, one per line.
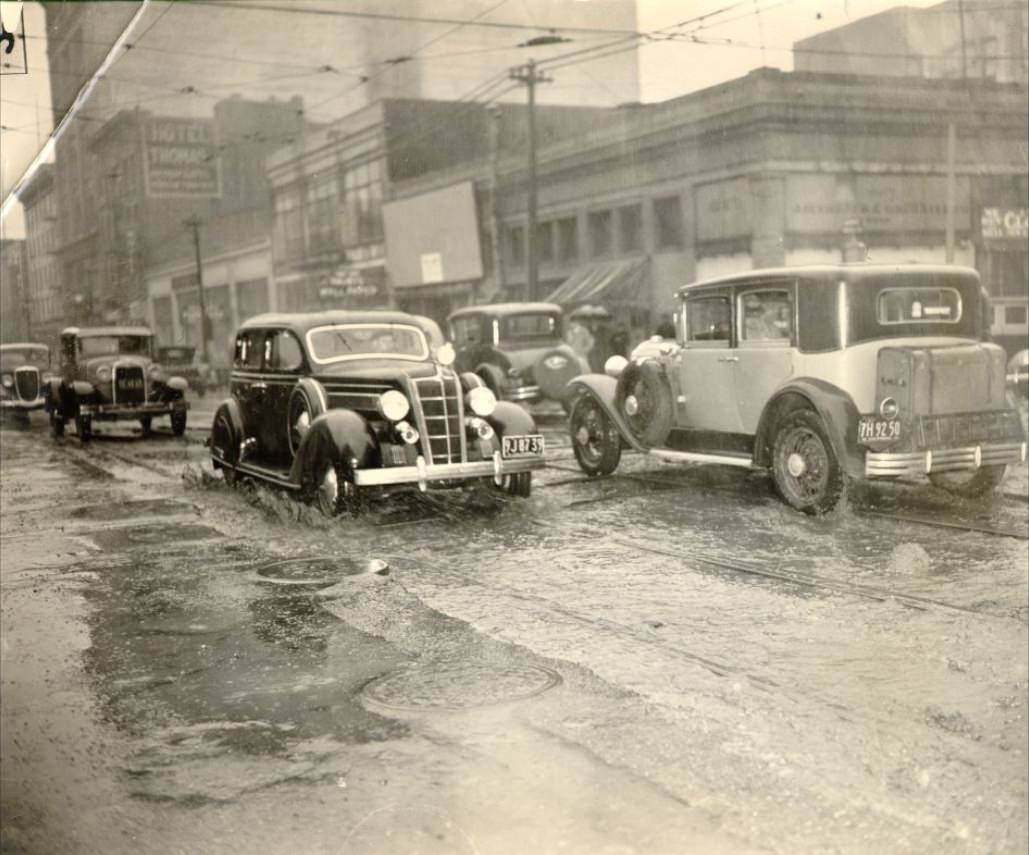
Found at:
<point>152,535</point>
<point>129,510</point>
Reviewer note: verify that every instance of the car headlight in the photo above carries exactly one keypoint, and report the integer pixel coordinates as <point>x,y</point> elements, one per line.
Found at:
<point>446,354</point>
<point>7,380</point>
<point>103,373</point>
<point>393,405</point>
<point>481,401</point>
<point>615,365</point>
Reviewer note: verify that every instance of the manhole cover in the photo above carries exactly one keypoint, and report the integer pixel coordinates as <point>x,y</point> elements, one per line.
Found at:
<point>314,572</point>
<point>458,687</point>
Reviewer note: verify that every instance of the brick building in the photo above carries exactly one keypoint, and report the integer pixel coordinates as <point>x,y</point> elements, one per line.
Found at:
<point>14,307</point>
<point>47,313</point>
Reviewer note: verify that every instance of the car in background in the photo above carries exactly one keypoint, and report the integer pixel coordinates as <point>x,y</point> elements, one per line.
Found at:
<point>182,361</point>
<point>24,371</point>
<point>108,374</point>
<point>1018,373</point>
<point>332,405</point>
<point>517,350</point>
<point>819,375</point>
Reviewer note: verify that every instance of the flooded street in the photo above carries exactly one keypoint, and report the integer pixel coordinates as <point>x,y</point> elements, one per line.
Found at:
<point>664,660</point>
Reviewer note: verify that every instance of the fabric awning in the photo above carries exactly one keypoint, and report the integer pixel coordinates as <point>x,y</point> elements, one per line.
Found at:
<point>609,281</point>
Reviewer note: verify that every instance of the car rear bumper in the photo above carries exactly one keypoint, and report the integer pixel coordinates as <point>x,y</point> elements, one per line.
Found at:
<point>968,458</point>
<point>22,406</point>
<point>522,393</point>
<point>422,474</point>
<point>113,412</point>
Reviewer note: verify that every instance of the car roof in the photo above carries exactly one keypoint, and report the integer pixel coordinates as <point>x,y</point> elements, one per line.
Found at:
<point>85,332</point>
<point>21,345</point>
<point>505,309</point>
<point>846,272</point>
<point>301,322</point>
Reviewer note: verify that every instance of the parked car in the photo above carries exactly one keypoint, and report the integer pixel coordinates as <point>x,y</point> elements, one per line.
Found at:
<point>182,361</point>
<point>1018,373</point>
<point>24,370</point>
<point>517,350</point>
<point>331,404</point>
<point>107,374</point>
<point>819,375</point>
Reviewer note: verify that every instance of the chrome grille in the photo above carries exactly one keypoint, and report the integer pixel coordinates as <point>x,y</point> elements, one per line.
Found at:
<point>26,382</point>
<point>354,394</point>
<point>442,417</point>
<point>129,384</point>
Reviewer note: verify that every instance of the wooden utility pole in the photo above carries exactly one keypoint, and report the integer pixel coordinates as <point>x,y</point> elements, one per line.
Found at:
<point>528,75</point>
<point>194,224</point>
<point>494,117</point>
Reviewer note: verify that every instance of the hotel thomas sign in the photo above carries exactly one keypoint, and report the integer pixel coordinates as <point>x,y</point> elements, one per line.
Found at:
<point>181,158</point>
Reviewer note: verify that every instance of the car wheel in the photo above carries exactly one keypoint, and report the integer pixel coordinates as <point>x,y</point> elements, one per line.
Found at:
<point>804,465</point>
<point>223,438</point>
<point>299,416</point>
<point>56,423</point>
<point>645,400</point>
<point>84,427</point>
<point>178,422</point>
<point>970,484</point>
<point>595,439</point>
<point>334,490</point>
<point>519,485</point>
<point>146,423</point>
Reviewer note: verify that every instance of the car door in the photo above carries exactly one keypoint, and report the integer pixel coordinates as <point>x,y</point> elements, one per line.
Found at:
<point>247,384</point>
<point>705,364</point>
<point>284,366</point>
<point>766,345</point>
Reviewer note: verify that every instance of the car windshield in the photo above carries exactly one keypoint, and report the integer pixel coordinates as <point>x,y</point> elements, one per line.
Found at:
<point>515,328</point>
<point>109,345</point>
<point>329,344</point>
<point>37,356</point>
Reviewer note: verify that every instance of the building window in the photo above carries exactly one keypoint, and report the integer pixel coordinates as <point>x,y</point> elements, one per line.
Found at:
<point>362,190</point>
<point>545,241</point>
<point>515,245</point>
<point>567,239</point>
<point>321,213</point>
<point>600,232</point>
<point>668,222</point>
<point>289,226</point>
<point>630,229</point>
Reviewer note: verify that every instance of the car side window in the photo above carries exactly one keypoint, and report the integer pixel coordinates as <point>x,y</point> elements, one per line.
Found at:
<point>708,321</point>
<point>766,317</point>
<point>248,350</point>
<point>466,331</point>
<point>285,352</point>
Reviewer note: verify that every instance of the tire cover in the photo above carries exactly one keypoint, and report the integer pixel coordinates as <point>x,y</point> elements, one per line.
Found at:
<point>553,370</point>
<point>647,383</point>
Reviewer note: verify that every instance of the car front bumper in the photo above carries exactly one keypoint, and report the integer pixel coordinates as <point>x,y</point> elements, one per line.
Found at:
<point>521,393</point>
<point>113,412</point>
<point>967,458</point>
<point>423,474</point>
<point>19,405</point>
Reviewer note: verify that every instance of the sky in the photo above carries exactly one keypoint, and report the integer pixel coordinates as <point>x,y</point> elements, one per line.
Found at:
<point>732,37</point>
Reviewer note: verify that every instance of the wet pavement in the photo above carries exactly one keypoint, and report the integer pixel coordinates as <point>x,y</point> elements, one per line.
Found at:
<point>667,660</point>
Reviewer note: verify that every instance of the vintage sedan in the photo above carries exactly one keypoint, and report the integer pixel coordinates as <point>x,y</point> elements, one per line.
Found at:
<point>182,361</point>
<point>820,375</point>
<point>108,374</point>
<point>24,371</point>
<point>331,404</point>
<point>516,349</point>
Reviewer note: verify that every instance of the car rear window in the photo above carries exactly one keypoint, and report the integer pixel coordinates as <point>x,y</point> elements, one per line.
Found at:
<point>918,305</point>
<point>527,326</point>
<point>914,304</point>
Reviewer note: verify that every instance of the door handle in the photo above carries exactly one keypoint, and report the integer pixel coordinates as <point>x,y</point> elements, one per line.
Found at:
<point>728,359</point>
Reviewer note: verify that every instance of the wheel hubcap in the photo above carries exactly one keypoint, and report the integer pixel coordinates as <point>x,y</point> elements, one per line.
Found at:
<point>796,465</point>
<point>632,405</point>
<point>329,488</point>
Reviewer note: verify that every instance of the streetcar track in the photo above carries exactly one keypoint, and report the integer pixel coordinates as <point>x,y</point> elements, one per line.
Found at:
<point>959,526</point>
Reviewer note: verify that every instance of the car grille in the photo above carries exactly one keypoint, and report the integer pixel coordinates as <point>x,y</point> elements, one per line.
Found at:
<point>26,383</point>
<point>354,394</point>
<point>960,429</point>
<point>129,384</point>
<point>442,417</point>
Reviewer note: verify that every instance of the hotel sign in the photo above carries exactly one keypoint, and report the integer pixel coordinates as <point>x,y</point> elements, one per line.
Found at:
<point>1005,223</point>
<point>181,158</point>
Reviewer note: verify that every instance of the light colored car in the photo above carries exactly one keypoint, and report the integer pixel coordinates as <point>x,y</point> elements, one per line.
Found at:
<point>1018,373</point>
<point>24,371</point>
<point>818,375</point>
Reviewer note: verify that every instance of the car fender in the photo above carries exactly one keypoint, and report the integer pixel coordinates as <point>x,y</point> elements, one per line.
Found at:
<point>316,397</point>
<point>470,381</point>
<point>834,406</point>
<point>509,419</point>
<point>82,388</point>
<point>179,384</point>
<point>339,435</point>
<point>602,389</point>
<point>492,374</point>
<point>229,408</point>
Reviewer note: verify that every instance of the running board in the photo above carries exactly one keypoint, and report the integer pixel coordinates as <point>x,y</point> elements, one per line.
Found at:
<point>740,460</point>
<point>276,477</point>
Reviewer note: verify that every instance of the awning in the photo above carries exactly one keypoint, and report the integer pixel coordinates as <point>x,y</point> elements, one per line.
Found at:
<point>609,281</point>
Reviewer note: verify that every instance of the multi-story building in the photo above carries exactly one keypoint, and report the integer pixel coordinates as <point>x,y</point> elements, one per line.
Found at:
<point>773,168</point>
<point>14,306</point>
<point>47,313</point>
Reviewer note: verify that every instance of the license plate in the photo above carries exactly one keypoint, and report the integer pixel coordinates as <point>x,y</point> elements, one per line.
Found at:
<point>871,429</point>
<point>530,445</point>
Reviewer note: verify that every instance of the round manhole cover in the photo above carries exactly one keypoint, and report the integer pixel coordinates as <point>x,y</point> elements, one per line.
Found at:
<point>314,572</point>
<point>459,687</point>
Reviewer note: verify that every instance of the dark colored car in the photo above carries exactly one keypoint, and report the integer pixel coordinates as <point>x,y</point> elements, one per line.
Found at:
<point>819,375</point>
<point>330,404</point>
<point>108,374</point>
<point>517,350</point>
<point>181,360</point>
<point>24,372</point>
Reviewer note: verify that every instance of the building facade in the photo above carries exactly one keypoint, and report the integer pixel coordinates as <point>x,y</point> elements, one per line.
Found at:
<point>14,303</point>
<point>45,305</point>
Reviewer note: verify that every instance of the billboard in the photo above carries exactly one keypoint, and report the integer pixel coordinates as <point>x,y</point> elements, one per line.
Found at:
<point>180,158</point>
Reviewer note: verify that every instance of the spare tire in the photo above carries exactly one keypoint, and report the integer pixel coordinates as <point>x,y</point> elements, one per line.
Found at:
<point>644,399</point>
<point>554,369</point>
